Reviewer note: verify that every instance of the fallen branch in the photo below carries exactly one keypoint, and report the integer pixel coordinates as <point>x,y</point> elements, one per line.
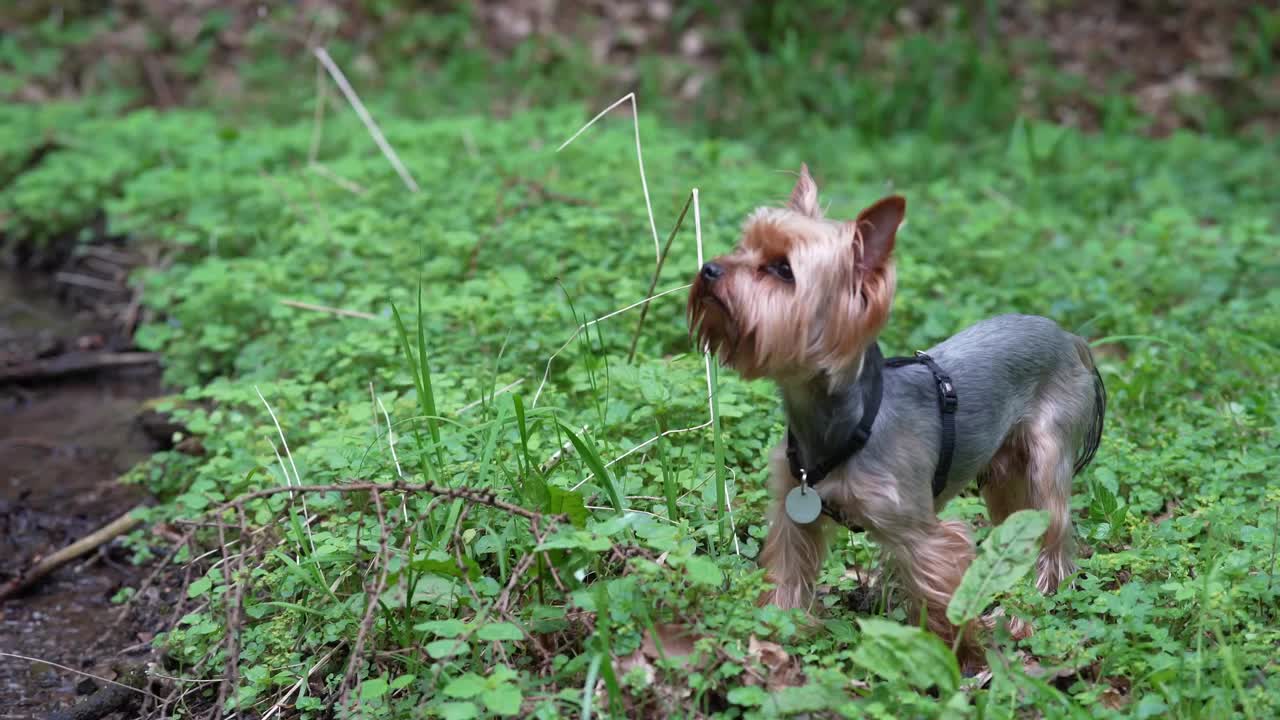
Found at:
<point>75,362</point>
<point>93,541</point>
<point>88,281</point>
<point>231,676</point>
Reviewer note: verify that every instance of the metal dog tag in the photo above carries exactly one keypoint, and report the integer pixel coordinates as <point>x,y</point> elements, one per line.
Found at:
<point>803,505</point>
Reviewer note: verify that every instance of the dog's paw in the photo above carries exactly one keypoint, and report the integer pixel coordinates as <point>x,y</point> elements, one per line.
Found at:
<point>1018,628</point>
<point>788,596</point>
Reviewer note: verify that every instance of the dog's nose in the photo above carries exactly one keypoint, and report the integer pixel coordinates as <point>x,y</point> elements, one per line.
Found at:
<point>712,271</point>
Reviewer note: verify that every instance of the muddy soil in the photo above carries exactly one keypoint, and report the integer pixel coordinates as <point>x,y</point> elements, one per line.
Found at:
<point>63,444</point>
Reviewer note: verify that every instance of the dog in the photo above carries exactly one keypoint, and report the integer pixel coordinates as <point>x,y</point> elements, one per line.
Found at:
<point>800,301</point>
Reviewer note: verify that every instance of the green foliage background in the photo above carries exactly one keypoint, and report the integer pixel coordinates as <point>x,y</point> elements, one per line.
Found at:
<point>1162,252</point>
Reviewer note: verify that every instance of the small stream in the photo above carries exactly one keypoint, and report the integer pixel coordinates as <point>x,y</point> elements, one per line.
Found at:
<point>63,443</point>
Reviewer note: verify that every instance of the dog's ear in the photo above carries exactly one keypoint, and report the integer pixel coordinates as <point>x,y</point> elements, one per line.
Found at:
<point>804,196</point>
<point>875,230</point>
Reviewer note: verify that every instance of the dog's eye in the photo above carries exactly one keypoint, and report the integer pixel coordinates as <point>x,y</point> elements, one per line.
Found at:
<point>781,270</point>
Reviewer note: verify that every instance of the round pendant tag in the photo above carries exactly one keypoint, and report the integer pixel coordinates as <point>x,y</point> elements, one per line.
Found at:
<point>803,505</point>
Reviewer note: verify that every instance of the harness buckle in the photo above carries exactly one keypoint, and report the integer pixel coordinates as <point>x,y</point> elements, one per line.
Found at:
<point>947,399</point>
<point>947,394</point>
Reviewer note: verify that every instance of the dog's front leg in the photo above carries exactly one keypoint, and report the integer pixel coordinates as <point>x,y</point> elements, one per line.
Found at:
<point>793,553</point>
<point>930,557</point>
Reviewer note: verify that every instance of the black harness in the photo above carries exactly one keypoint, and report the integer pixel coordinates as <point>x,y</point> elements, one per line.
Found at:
<point>873,390</point>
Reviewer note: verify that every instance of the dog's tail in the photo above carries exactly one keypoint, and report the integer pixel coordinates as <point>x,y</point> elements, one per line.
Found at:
<point>1094,436</point>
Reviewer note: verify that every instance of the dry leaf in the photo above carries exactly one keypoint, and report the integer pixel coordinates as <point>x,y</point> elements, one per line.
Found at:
<point>676,641</point>
<point>637,659</point>
<point>782,672</point>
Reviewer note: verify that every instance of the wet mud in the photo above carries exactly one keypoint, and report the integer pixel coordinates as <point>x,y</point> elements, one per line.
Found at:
<point>64,441</point>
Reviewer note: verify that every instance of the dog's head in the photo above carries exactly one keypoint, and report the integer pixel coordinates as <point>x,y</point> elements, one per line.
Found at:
<point>801,294</point>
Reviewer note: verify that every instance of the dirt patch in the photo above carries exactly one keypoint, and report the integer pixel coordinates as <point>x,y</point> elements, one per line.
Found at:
<point>1201,64</point>
<point>63,444</point>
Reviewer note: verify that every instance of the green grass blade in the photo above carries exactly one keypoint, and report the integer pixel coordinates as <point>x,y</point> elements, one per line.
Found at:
<point>669,490</point>
<point>587,451</point>
<point>589,687</point>
<point>522,426</point>
<point>490,445</point>
<point>406,349</point>
<point>428,397</point>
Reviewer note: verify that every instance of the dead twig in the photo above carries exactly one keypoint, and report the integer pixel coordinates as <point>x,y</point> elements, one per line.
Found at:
<point>371,602</point>
<point>159,85</point>
<point>348,185</point>
<point>535,530</point>
<point>331,310</point>
<point>657,272</point>
<point>75,362</point>
<point>279,705</point>
<point>548,194</point>
<point>374,131</point>
<point>550,463</point>
<point>500,605</point>
<point>116,257</point>
<point>505,388</point>
<point>90,542</point>
<point>129,318</point>
<point>317,124</point>
<point>231,675</point>
<point>481,497</point>
<point>88,281</point>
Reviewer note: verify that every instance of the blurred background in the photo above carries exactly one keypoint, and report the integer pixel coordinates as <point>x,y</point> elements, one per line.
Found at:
<point>948,69</point>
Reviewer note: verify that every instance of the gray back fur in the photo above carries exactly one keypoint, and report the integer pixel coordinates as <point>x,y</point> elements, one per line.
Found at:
<point>1005,369</point>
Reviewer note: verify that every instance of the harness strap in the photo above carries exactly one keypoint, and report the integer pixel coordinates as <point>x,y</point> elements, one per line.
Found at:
<point>873,390</point>
<point>874,361</point>
<point>947,403</point>
<point>810,476</point>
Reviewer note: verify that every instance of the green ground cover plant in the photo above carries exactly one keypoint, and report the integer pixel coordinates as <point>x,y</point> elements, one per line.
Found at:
<point>544,578</point>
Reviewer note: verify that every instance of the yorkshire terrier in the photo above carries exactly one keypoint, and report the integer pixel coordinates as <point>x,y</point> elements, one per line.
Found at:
<point>1014,401</point>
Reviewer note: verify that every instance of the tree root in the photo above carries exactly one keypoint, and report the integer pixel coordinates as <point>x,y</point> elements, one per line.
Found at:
<point>74,362</point>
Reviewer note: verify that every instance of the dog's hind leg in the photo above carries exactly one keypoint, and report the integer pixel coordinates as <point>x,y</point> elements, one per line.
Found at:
<point>1049,467</point>
<point>1062,436</point>
<point>930,558</point>
<point>1006,486</point>
<point>1005,482</point>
